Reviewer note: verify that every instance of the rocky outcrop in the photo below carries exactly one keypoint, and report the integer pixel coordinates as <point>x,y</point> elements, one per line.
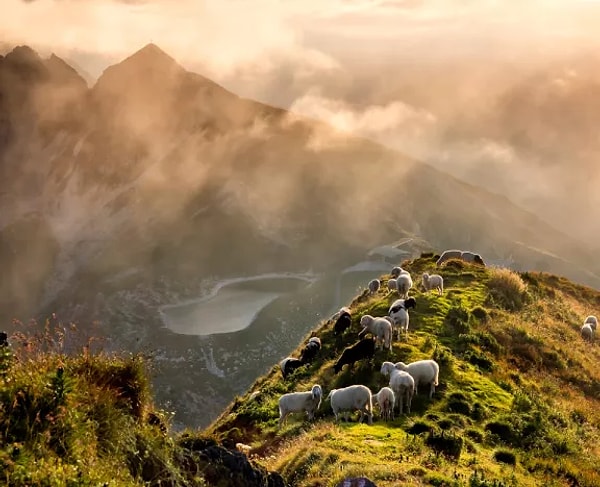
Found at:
<point>227,468</point>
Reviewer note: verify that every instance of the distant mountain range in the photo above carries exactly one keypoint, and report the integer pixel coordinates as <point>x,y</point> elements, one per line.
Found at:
<point>159,172</point>
<point>155,183</point>
<point>163,171</point>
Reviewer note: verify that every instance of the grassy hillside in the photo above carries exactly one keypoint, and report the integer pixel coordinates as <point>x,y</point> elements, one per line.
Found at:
<point>518,400</point>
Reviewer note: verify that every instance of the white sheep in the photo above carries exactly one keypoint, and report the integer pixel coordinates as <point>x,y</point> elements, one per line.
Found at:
<point>297,402</point>
<point>352,398</point>
<point>374,286</point>
<point>386,400</point>
<point>433,281</point>
<point>403,284</point>
<point>593,321</point>
<point>398,313</point>
<point>447,255</point>
<point>587,332</point>
<point>423,372</point>
<point>381,328</point>
<point>471,257</point>
<point>465,256</point>
<point>392,285</point>
<point>401,383</point>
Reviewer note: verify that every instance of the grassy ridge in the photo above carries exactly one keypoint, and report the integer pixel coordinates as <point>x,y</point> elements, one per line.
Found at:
<point>517,402</point>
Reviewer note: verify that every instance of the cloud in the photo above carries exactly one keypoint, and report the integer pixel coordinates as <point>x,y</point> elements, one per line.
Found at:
<point>220,36</point>
<point>395,124</point>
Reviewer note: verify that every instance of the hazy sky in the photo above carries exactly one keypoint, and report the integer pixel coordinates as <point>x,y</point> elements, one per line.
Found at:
<point>403,72</point>
<point>225,36</point>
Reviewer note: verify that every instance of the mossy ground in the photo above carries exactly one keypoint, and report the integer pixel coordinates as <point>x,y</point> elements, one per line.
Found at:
<point>517,402</point>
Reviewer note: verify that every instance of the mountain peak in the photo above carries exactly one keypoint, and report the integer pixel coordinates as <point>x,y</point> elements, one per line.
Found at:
<point>25,63</point>
<point>150,57</point>
<point>63,72</point>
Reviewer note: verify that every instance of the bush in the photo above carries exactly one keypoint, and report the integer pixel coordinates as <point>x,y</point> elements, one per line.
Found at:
<point>457,402</point>
<point>505,456</point>
<point>506,289</point>
<point>479,359</point>
<point>475,435</point>
<point>457,319</point>
<point>479,411</point>
<point>502,431</point>
<point>449,445</point>
<point>480,313</point>
<point>445,424</point>
<point>419,427</point>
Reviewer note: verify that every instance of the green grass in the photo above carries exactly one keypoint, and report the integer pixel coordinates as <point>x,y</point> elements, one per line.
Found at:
<point>517,403</point>
<point>78,420</point>
<point>517,384</point>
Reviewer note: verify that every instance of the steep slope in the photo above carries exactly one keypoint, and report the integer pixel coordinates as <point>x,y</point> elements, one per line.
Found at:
<point>517,401</point>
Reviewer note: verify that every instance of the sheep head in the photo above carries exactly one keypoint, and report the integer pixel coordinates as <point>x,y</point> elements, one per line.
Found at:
<point>386,368</point>
<point>366,320</point>
<point>401,366</point>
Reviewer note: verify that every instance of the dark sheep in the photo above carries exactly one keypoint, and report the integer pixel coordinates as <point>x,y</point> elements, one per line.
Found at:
<point>342,323</point>
<point>310,351</point>
<point>289,364</point>
<point>360,350</point>
<point>402,304</point>
<point>3,339</point>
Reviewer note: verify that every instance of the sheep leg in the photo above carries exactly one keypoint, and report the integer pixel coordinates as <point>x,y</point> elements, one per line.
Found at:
<point>365,411</point>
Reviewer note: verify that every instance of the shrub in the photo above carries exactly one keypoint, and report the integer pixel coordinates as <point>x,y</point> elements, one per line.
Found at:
<point>449,445</point>
<point>479,411</point>
<point>505,456</point>
<point>502,431</point>
<point>507,289</point>
<point>457,319</point>
<point>553,360</point>
<point>445,424</point>
<point>480,313</point>
<point>419,427</point>
<point>475,435</point>
<point>479,359</point>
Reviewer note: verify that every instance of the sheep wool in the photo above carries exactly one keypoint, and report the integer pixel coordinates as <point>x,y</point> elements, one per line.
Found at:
<point>433,281</point>
<point>423,372</point>
<point>381,328</point>
<point>593,322</point>
<point>297,402</point>
<point>587,332</point>
<point>386,400</point>
<point>352,398</point>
